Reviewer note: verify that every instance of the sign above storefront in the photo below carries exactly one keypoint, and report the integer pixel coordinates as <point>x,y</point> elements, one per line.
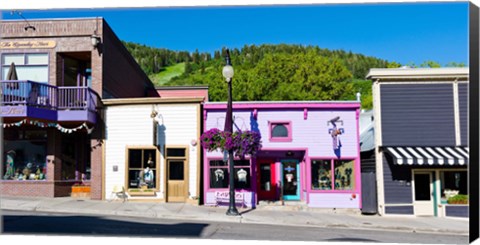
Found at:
<point>27,44</point>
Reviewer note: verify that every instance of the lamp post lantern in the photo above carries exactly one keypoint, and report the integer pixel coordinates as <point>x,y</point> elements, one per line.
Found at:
<point>228,74</point>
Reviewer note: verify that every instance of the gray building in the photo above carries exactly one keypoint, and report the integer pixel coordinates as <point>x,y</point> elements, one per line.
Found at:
<point>421,140</point>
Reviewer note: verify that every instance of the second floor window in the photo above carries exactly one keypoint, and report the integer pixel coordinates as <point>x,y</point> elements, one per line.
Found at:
<point>280,132</point>
<point>29,66</point>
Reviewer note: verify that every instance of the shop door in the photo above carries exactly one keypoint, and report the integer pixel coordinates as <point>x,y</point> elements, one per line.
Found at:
<point>177,188</point>
<point>266,181</point>
<point>423,194</point>
<point>290,180</point>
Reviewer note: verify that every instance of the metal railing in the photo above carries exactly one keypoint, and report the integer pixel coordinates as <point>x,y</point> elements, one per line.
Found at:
<point>29,93</point>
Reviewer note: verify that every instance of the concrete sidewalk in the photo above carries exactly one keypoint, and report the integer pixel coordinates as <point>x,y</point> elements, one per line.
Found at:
<point>262,215</point>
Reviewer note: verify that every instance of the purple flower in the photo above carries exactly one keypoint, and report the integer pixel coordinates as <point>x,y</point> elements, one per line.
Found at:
<point>241,142</point>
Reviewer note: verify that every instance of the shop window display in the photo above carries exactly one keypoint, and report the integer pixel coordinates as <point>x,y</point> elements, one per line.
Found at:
<point>344,176</point>
<point>453,185</point>
<point>142,168</point>
<point>219,174</point>
<point>341,178</point>
<point>321,175</point>
<point>25,155</point>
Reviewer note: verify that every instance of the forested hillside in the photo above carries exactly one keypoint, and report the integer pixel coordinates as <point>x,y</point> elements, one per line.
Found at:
<point>266,72</point>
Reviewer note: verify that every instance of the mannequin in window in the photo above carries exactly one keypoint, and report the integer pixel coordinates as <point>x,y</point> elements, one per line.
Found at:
<point>148,172</point>
<point>148,176</point>
<point>10,172</point>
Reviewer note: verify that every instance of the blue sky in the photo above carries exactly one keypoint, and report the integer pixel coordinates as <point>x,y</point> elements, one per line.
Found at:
<point>401,32</point>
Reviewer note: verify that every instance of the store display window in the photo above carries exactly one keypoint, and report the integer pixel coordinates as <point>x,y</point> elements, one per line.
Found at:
<point>142,168</point>
<point>219,174</point>
<point>25,154</point>
<point>333,175</point>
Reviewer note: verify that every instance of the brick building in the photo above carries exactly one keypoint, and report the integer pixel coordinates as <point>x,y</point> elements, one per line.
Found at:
<point>55,74</point>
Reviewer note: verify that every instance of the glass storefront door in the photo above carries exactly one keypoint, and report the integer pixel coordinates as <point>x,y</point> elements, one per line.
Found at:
<point>423,193</point>
<point>290,180</point>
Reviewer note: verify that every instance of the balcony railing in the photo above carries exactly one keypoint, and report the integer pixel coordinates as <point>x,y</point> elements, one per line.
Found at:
<point>77,98</point>
<point>44,96</point>
<point>28,93</point>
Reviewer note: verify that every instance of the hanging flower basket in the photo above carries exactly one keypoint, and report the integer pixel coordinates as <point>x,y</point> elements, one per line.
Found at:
<point>241,142</point>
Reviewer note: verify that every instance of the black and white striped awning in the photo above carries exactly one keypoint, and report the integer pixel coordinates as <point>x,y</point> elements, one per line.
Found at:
<point>435,155</point>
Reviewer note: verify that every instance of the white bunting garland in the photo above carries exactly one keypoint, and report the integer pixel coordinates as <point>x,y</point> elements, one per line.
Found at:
<point>18,124</point>
<point>44,125</point>
<point>70,130</point>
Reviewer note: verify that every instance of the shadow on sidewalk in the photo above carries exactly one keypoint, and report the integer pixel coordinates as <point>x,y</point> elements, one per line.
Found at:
<point>247,211</point>
<point>90,225</point>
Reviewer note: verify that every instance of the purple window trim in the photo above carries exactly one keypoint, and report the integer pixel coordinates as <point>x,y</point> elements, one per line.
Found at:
<point>287,124</point>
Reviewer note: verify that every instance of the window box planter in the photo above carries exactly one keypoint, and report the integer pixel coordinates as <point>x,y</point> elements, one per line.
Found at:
<point>458,199</point>
<point>141,192</point>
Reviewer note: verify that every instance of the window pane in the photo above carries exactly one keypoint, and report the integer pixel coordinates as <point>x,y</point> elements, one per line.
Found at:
<point>241,163</point>
<point>18,59</point>
<point>453,183</point>
<point>218,163</point>
<point>135,159</point>
<point>344,175</point>
<point>134,178</point>
<point>149,158</point>
<point>37,59</point>
<point>5,72</point>
<point>422,187</point>
<point>24,159</point>
<point>176,170</point>
<point>242,178</point>
<point>265,177</point>
<point>279,130</point>
<point>321,175</point>
<point>176,152</point>
<point>218,178</point>
<point>147,176</point>
<point>34,73</point>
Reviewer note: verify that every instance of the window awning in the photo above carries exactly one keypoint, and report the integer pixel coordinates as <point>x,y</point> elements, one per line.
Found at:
<point>425,156</point>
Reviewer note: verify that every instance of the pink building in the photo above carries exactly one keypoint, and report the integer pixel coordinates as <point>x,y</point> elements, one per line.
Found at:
<point>309,155</point>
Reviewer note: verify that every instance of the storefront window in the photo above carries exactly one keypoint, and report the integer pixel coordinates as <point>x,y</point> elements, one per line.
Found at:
<point>321,175</point>
<point>219,174</point>
<point>25,154</point>
<point>142,168</point>
<point>242,174</point>
<point>342,177</point>
<point>454,187</point>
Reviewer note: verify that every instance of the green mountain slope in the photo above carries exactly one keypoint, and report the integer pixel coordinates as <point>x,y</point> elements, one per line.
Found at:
<point>167,74</point>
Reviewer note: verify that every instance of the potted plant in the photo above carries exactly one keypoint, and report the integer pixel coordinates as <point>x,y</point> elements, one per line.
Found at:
<point>141,192</point>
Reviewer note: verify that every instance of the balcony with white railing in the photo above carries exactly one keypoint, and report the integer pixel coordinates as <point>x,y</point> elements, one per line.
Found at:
<point>28,99</point>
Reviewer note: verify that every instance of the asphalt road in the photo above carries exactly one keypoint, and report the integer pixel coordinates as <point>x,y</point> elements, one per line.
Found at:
<point>28,223</point>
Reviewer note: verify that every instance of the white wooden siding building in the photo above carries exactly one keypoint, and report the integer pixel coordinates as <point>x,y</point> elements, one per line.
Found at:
<point>151,148</point>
